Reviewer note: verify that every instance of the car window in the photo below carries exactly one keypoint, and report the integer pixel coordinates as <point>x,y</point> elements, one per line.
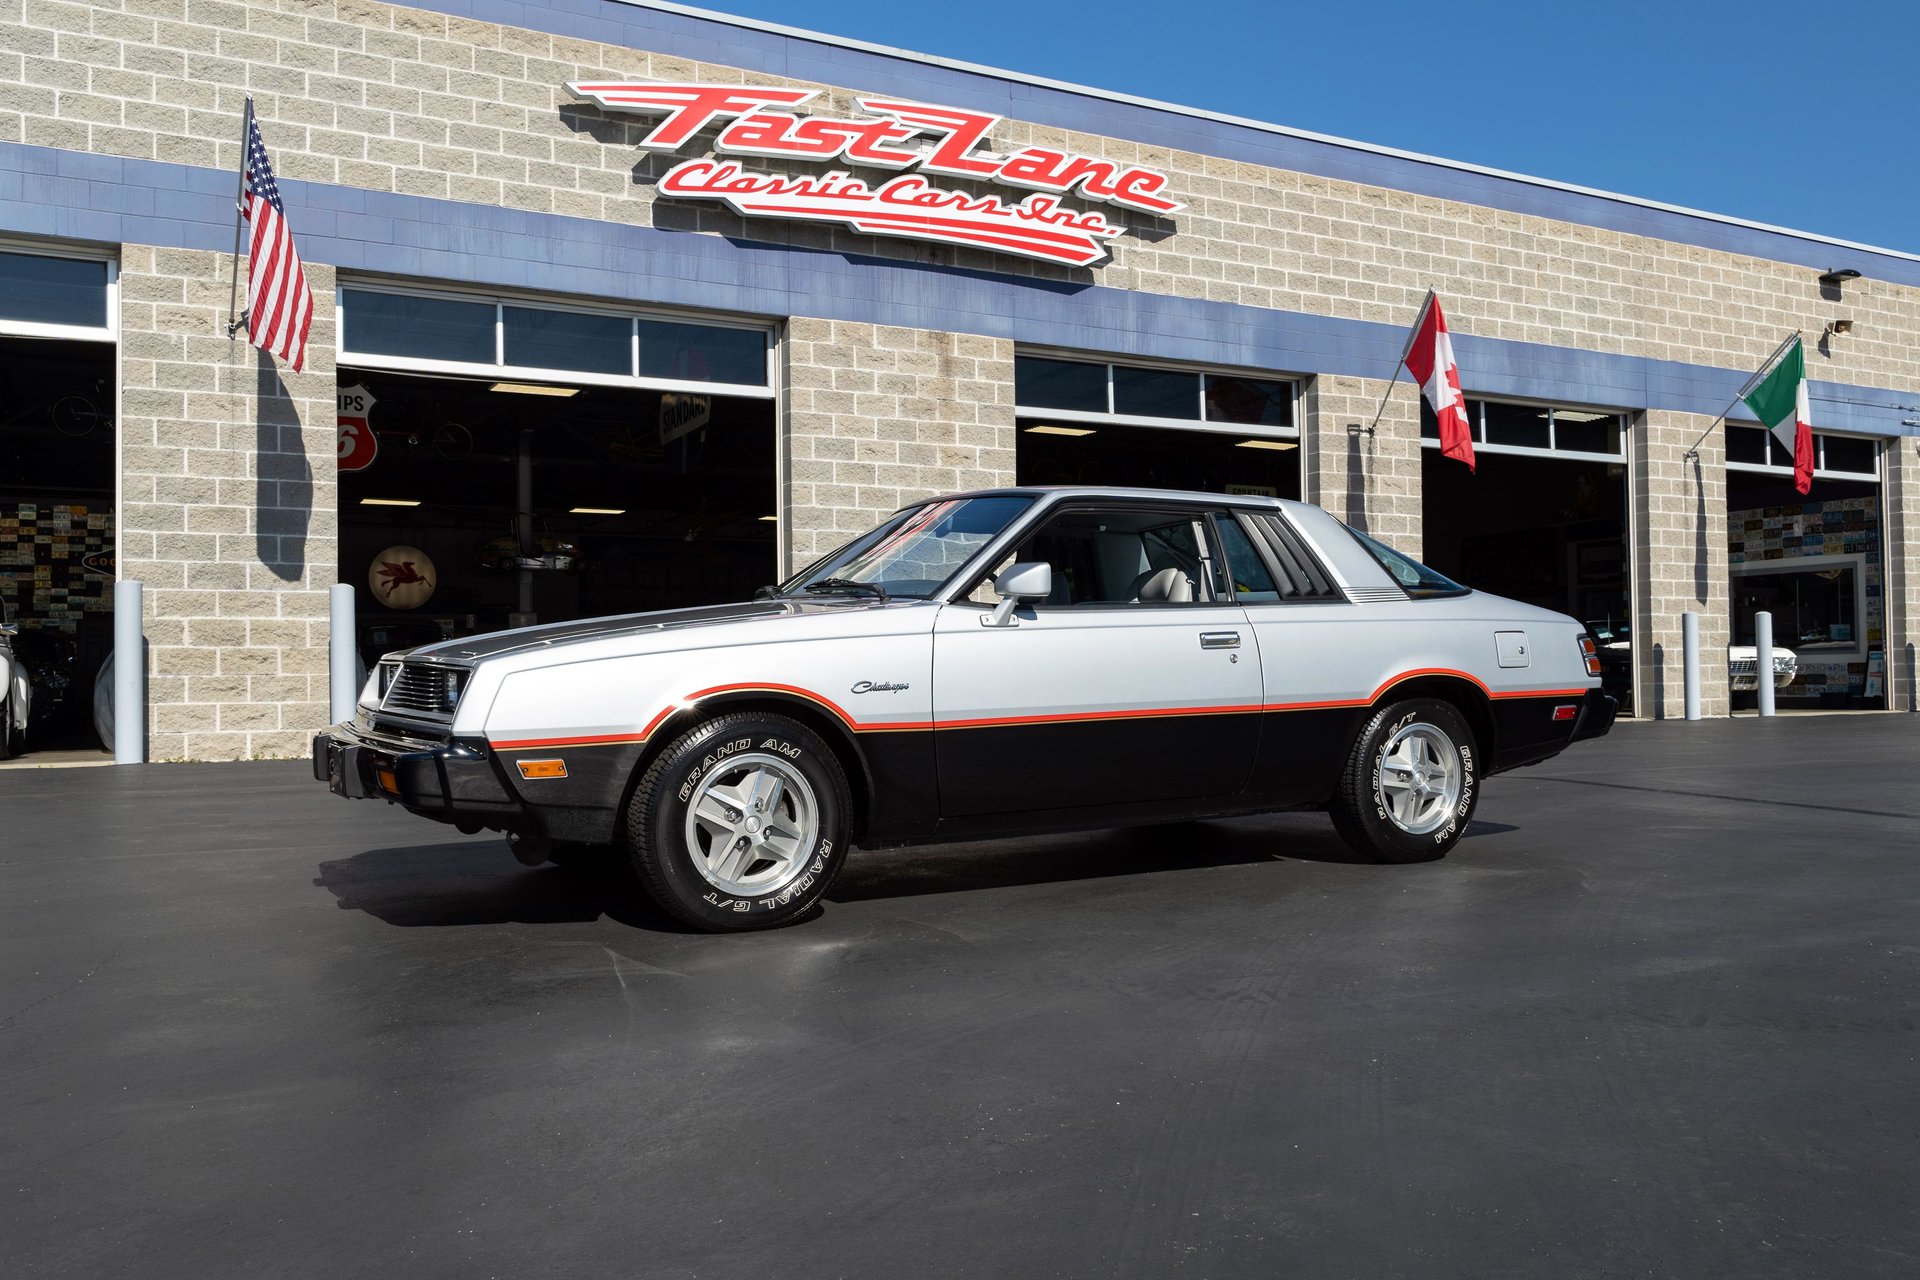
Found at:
<point>1418,581</point>
<point>916,551</point>
<point>1116,556</point>
<point>1248,572</point>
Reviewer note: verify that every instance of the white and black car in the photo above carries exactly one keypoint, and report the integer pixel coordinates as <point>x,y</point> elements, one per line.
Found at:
<point>16,690</point>
<point>990,663</point>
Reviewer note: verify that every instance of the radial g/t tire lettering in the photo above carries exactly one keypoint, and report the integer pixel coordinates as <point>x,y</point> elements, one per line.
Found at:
<point>1411,784</point>
<point>740,823</point>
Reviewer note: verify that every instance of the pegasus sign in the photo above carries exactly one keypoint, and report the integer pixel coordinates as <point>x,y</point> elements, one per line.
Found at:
<point>912,139</point>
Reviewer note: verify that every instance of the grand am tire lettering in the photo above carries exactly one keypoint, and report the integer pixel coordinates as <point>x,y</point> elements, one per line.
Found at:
<point>754,833</point>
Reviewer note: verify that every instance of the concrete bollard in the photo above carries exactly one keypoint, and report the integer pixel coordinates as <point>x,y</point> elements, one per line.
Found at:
<point>1690,661</point>
<point>342,648</point>
<point>1763,661</point>
<point>129,674</point>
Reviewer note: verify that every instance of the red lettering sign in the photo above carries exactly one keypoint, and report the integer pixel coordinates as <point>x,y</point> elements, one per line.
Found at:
<point>901,136</point>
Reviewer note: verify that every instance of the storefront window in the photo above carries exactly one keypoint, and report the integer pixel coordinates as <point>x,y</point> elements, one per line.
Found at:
<point>1814,600</point>
<point>36,289</point>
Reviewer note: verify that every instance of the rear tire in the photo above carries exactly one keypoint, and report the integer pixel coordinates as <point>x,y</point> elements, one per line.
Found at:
<point>741,823</point>
<point>1411,784</point>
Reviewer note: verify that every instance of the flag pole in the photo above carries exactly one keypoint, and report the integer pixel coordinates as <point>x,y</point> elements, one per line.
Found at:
<point>1741,394</point>
<point>1412,333</point>
<point>234,319</point>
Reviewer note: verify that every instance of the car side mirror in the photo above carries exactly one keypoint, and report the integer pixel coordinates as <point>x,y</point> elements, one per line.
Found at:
<point>1021,582</point>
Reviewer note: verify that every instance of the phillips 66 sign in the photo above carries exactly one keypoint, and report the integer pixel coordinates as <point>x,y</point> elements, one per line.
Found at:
<point>358,445</point>
<point>914,140</point>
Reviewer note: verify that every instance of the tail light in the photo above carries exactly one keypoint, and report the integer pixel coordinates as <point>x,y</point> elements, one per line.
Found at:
<point>1591,653</point>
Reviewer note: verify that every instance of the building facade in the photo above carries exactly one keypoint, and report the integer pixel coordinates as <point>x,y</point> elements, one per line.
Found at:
<point>583,348</point>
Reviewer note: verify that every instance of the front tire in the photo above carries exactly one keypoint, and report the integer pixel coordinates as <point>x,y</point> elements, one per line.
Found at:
<point>1411,784</point>
<point>741,823</point>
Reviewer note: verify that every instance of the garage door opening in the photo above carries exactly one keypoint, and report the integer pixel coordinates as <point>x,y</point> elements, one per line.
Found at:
<point>532,494</point>
<point>59,452</point>
<point>1816,562</point>
<point>1542,519</point>
<point>1093,423</point>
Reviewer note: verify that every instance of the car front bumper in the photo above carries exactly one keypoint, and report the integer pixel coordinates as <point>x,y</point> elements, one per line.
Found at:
<point>454,781</point>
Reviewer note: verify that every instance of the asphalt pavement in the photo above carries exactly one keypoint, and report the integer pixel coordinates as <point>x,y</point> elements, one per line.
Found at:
<point>1655,1016</point>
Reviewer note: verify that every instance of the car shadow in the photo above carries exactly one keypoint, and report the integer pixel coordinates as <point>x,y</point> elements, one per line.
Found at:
<point>477,883</point>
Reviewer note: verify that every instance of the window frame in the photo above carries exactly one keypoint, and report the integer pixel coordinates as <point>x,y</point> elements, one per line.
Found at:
<point>1199,513</point>
<point>1477,418</point>
<point>1854,560</point>
<point>1111,417</point>
<point>1820,471</point>
<point>107,332</point>
<point>500,370</point>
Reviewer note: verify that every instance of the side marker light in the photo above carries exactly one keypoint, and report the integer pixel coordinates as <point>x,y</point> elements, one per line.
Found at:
<point>1565,713</point>
<point>543,768</point>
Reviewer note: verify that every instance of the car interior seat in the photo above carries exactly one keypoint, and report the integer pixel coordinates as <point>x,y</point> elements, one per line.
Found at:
<point>1164,586</point>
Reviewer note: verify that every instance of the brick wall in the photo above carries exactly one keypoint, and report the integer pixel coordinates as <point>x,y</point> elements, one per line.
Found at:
<point>1680,520</point>
<point>879,416</point>
<point>228,514</point>
<point>1372,481</point>
<point>1901,536</point>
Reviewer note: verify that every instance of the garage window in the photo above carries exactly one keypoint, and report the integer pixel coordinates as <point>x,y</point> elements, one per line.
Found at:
<point>1834,456</point>
<point>45,295</point>
<point>1504,427</point>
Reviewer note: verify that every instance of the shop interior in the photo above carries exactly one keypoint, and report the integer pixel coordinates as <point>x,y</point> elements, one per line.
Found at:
<point>489,504</point>
<point>57,460</point>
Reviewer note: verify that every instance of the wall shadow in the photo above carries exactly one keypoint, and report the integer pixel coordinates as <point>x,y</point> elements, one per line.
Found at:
<point>283,480</point>
<point>1356,512</point>
<point>1699,534</point>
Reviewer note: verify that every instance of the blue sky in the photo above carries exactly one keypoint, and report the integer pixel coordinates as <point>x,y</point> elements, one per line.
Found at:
<point>1801,115</point>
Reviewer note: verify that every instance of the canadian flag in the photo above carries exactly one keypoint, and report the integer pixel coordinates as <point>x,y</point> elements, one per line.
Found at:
<point>1429,358</point>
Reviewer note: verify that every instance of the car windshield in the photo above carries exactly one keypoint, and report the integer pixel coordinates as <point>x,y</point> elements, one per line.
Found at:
<point>914,552</point>
<point>1609,631</point>
<point>1414,578</point>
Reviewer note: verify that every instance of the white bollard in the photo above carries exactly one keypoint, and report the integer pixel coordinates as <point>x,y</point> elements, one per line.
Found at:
<point>1690,661</point>
<point>342,649</point>
<point>1763,661</point>
<point>129,674</point>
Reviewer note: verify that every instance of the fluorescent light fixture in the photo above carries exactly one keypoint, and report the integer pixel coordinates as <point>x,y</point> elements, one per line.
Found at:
<point>596,511</point>
<point>1278,446</point>
<point>775,519</point>
<point>1568,415</point>
<point>389,502</point>
<point>1059,431</point>
<point>534,389</point>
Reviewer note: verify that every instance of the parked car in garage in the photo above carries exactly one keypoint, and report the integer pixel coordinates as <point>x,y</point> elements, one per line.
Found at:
<point>16,688</point>
<point>1743,667</point>
<point>991,663</point>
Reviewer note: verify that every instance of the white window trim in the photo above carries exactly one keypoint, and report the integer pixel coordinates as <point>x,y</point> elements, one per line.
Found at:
<point>1855,560</point>
<point>1111,418</point>
<point>109,332</point>
<point>501,371</point>
<point>1620,417</point>
<point>1819,472</point>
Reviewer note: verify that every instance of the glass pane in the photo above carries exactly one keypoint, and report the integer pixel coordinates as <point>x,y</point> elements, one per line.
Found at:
<point>703,353</point>
<point>1746,444</point>
<point>393,324</point>
<point>1586,432</point>
<point>1109,557</point>
<point>1430,421</point>
<point>1517,424</point>
<point>914,552</point>
<point>1414,578</point>
<point>43,290</point>
<point>1813,608</point>
<point>1059,384</point>
<point>539,339</point>
<point>1251,581</point>
<point>1155,393</point>
<point>1250,400</point>
<point>1844,453</point>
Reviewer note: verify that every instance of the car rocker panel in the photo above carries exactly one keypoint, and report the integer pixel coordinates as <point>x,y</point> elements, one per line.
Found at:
<point>947,716</point>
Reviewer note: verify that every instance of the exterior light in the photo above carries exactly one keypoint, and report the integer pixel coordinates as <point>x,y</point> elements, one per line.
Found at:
<point>1839,276</point>
<point>1278,446</point>
<point>533,389</point>
<point>1835,327</point>
<point>1059,431</point>
<point>389,502</point>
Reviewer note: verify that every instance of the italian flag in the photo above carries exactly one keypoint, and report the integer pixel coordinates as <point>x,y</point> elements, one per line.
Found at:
<point>1780,401</point>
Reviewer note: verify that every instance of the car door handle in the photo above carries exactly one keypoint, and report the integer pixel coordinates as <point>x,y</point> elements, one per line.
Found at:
<point>1219,639</point>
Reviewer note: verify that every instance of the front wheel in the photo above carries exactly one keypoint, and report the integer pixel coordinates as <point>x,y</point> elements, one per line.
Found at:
<point>741,823</point>
<point>1410,786</point>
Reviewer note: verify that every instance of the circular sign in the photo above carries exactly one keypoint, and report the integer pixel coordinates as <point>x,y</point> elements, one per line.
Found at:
<point>358,445</point>
<point>402,577</point>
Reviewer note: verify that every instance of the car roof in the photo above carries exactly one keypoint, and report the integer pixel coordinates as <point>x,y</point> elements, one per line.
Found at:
<point>1115,491</point>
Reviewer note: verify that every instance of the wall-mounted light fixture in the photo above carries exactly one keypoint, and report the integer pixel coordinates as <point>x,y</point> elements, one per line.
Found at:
<point>1837,327</point>
<point>1838,276</point>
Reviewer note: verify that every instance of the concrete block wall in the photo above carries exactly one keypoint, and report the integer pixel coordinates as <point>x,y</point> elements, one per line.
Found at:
<point>1901,466</point>
<point>1370,481</point>
<point>228,512</point>
<point>879,416</point>
<point>1680,524</point>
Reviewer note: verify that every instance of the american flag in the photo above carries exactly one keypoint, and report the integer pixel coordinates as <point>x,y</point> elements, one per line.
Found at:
<point>279,304</point>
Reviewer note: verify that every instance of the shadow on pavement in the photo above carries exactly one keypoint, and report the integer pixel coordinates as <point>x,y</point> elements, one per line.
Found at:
<point>464,884</point>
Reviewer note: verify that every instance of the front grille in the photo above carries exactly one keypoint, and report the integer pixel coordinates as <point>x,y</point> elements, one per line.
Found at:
<point>1743,666</point>
<point>423,690</point>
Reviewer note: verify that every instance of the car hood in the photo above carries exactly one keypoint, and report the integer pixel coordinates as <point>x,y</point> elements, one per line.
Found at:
<point>588,630</point>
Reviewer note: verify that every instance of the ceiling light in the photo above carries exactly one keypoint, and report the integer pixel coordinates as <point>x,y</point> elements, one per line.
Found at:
<point>389,502</point>
<point>596,511</point>
<point>534,389</point>
<point>1278,446</point>
<point>1569,415</point>
<point>773,518</point>
<point>1059,431</point>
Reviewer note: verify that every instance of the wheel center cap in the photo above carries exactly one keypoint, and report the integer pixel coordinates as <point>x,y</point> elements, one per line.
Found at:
<point>753,825</point>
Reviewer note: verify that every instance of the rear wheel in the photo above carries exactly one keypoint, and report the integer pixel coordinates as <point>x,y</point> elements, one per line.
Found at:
<point>741,823</point>
<point>1410,787</point>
